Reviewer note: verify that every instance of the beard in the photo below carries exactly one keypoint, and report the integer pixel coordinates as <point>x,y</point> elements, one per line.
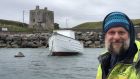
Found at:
<point>121,48</point>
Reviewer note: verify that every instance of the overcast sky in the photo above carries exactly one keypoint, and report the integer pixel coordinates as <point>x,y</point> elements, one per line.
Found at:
<point>69,12</point>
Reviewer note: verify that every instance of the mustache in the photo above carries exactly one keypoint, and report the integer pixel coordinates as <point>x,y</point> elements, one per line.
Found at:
<point>111,43</point>
<point>122,42</point>
<point>117,41</point>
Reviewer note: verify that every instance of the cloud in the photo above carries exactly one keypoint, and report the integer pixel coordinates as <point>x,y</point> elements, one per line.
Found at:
<point>73,12</point>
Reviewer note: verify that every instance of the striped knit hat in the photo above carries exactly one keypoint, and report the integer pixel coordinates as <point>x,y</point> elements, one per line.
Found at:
<point>115,19</point>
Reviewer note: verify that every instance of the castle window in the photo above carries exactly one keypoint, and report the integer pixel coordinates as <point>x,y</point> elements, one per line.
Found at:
<point>33,20</point>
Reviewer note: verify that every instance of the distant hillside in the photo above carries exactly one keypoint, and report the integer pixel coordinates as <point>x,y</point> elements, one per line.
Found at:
<point>136,22</point>
<point>14,26</point>
<point>98,25</point>
<point>15,23</point>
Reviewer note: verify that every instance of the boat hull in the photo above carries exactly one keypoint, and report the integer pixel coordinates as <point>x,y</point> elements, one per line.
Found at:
<point>61,45</point>
<point>64,53</point>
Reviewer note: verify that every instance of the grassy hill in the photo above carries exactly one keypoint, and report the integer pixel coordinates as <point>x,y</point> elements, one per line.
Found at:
<point>14,26</point>
<point>136,21</point>
<point>98,25</point>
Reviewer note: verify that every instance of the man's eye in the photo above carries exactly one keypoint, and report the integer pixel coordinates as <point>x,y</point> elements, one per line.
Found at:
<point>121,32</point>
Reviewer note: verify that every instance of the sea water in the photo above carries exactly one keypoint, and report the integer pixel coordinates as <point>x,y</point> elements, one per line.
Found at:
<point>38,65</point>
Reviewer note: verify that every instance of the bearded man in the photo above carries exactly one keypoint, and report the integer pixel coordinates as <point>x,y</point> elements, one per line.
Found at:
<point>122,59</point>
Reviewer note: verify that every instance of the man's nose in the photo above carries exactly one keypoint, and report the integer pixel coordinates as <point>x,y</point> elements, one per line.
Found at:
<point>116,36</point>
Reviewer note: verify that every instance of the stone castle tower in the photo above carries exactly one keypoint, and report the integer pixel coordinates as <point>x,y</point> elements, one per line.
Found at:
<point>41,19</point>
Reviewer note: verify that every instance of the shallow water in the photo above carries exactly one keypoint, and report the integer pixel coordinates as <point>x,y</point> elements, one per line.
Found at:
<point>38,65</point>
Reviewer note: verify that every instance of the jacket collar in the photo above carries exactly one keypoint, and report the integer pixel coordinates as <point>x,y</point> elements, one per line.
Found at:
<point>106,56</point>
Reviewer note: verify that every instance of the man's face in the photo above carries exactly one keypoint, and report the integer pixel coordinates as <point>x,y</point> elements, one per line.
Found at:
<point>117,40</point>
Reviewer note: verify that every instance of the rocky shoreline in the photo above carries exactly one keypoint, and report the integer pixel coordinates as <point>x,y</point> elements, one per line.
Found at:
<point>40,40</point>
<point>24,40</point>
<point>91,39</point>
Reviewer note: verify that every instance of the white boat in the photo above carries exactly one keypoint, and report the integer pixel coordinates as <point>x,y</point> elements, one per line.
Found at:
<point>63,43</point>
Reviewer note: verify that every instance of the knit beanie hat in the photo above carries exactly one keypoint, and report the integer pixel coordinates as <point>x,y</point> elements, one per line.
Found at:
<point>115,19</point>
